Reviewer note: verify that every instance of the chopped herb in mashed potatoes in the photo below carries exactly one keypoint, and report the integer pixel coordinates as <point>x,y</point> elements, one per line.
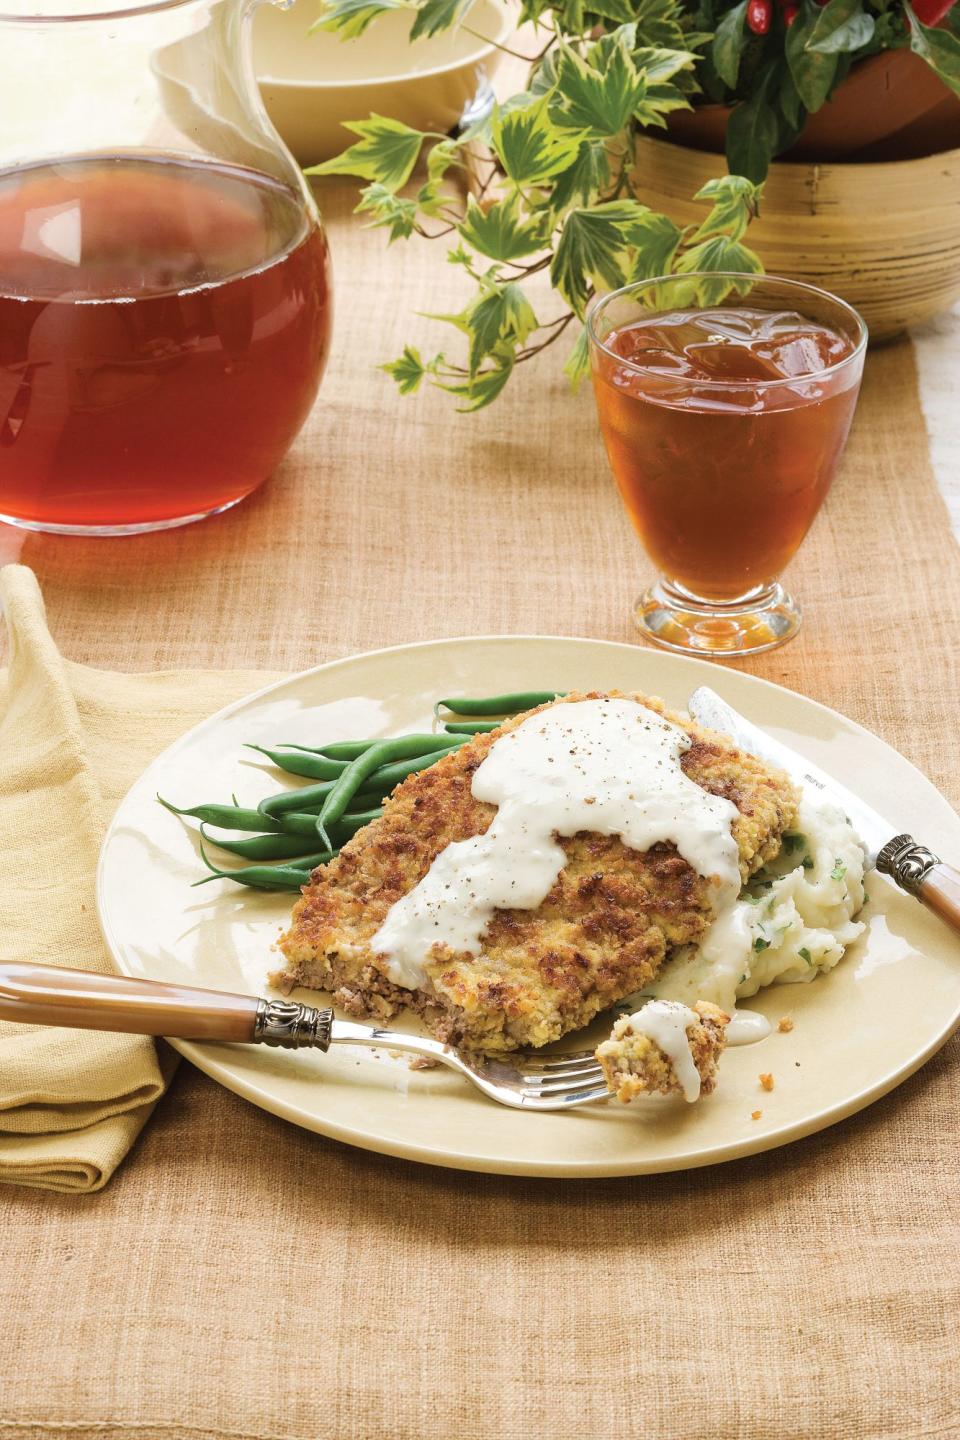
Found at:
<point>792,922</point>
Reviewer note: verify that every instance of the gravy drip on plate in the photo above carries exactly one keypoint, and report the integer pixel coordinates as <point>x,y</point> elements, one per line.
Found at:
<point>609,766</point>
<point>747,1027</point>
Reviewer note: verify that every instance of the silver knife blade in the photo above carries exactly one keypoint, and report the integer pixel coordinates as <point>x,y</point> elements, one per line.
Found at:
<point>706,707</point>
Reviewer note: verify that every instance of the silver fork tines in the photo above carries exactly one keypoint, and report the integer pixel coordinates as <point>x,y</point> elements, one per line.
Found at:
<point>525,1081</point>
<point>534,1082</point>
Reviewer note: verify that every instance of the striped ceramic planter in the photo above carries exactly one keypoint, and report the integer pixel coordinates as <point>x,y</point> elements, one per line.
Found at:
<point>885,237</point>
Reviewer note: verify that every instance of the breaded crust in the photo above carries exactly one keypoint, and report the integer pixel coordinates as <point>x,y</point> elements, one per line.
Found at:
<point>633,1064</point>
<point>602,933</point>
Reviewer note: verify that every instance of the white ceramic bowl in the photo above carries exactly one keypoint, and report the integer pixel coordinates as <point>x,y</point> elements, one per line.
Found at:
<point>310,83</point>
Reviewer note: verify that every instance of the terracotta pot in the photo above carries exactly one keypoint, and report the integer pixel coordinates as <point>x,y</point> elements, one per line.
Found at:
<point>886,237</point>
<point>890,107</point>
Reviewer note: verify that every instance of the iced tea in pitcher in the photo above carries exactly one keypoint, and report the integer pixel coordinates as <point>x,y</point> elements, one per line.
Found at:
<point>163,330</point>
<point>164,277</point>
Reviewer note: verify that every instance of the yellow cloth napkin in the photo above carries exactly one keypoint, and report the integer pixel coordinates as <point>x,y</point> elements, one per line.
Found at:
<point>72,740</point>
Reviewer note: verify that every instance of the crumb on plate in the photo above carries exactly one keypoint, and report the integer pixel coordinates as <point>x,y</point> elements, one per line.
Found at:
<point>766,1080</point>
<point>785,1024</point>
<point>755,1114</point>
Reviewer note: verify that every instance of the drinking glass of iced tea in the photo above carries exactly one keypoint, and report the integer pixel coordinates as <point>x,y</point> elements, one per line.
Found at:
<point>164,280</point>
<point>724,402</point>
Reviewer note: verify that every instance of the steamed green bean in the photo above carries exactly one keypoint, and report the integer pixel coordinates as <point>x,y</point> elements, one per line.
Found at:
<point>512,704</point>
<point>316,767</point>
<point>375,761</point>
<point>228,817</point>
<point>266,847</point>
<point>471,727</point>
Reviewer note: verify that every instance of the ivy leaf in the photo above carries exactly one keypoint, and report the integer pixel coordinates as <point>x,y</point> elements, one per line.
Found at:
<point>658,23</point>
<point>813,73</point>
<point>389,210</point>
<point>459,256</point>
<point>386,151</point>
<point>842,25</point>
<point>655,62</point>
<point>592,247</point>
<point>658,65</point>
<point>720,253</point>
<point>594,102</point>
<point>577,365</point>
<point>461,321</point>
<point>436,15</point>
<point>531,149</point>
<point>498,232</point>
<point>723,254</point>
<point>602,48</point>
<point>940,49</point>
<point>729,43</point>
<point>408,371</point>
<point>664,99</point>
<point>660,95</point>
<point>619,11</point>
<point>569,16</point>
<point>444,154</point>
<point>735,203</point>
<point>656,239</point>
<point>349,18</point>
<point>501,315</point>
<point>432,201</point>
<point>583,180</point>
<point>545,75</point>
<point>481,388</point>
<point>752,136</point>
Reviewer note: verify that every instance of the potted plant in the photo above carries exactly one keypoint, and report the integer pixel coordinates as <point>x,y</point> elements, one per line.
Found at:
<point>579,175</point>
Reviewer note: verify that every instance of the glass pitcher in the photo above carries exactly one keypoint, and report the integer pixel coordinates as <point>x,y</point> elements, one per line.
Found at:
<point>164,277</point>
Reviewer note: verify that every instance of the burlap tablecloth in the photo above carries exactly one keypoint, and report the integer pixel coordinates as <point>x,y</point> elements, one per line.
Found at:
<point>240,1278</point>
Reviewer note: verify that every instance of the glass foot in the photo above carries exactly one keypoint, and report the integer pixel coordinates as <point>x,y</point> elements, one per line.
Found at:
<point>680,621</point>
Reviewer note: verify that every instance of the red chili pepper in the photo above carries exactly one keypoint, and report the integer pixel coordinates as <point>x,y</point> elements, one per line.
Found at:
<point>931,12</point>
<point>758,16</point>
<point>790,12</point>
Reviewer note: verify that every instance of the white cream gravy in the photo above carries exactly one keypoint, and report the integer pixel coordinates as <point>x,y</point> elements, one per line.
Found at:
<point>666,1023</point>
<point>747,1027</point>
<point>610,766</point>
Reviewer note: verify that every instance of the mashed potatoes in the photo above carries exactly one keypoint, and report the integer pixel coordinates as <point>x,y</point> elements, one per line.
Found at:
<point>792,922</point>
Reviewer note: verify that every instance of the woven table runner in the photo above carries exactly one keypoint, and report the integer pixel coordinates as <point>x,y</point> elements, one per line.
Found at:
<point>240,1278</point>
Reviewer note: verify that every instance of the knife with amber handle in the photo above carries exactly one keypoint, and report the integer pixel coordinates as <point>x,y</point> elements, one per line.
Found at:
<point>909,864</point>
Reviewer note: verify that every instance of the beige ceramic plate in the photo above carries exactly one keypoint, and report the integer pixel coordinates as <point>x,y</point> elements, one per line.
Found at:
<point>891,1003</point>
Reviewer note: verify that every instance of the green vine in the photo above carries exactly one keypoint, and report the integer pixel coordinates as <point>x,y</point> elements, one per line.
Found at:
<point>551,172</point>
